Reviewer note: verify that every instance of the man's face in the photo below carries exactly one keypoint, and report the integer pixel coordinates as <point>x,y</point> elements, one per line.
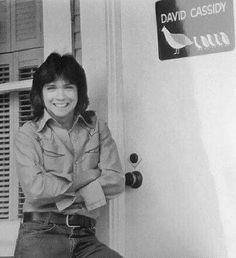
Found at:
<point>60,98</point>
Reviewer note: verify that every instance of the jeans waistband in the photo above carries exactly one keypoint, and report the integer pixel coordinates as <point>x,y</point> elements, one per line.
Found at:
<point>62,219</point>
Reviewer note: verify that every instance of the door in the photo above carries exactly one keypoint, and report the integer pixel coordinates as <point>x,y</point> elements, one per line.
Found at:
<point>171,110</point>
<point>178,116</point>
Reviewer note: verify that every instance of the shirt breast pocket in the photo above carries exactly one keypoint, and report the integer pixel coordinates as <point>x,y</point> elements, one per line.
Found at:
<point>91,157</point>
<point>53,159</point>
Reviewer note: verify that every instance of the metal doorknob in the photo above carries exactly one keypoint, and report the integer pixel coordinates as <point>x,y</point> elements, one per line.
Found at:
<point>134,179</point>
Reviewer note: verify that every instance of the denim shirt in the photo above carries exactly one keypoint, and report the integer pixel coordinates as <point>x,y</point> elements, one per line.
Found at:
<point>71,172</point>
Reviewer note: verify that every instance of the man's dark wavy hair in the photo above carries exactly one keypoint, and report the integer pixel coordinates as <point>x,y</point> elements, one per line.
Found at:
<point>56,66</point>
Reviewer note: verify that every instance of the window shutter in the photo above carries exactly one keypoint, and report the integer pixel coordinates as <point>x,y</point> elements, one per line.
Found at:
<point>4,155</point>
<point>25,113</point>
<point>4,73</point>
<point>26,62</point>
<point>26,72</point>
<point>6,68</point>
<point>15,110</point>
<point>26,24</point>
<point>25,110</point>
<point>5,26</point>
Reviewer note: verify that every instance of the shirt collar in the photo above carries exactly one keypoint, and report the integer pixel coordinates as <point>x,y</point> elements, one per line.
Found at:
<point>46,117</point>
<point>43,120</point>
<point>81,118</point>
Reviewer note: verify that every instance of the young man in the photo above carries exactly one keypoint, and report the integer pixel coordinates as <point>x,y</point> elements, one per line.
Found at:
<point>67,164</point>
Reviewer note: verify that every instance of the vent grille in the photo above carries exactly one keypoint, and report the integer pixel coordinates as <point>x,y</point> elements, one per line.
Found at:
<point>4,155</point>
<point>4,73</point>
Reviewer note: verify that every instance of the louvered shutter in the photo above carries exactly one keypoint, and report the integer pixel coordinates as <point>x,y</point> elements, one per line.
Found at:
<point>6,68</point>
<point>4,155</point>
<point>4,73</point>
<point>5,42</point>
<point>5,76</point>
<point>26,24</point>
<point>26,71</point>
<point>25,110</point>
<point>76,31</point>
<point>25,113</point>
<point>26,62</point>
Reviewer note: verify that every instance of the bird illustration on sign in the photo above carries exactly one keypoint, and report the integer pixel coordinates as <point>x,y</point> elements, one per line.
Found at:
<point>179,40</point>
<point>176,40</point>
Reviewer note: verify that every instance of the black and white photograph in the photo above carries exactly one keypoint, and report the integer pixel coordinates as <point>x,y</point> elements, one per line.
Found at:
<point>117,129</point>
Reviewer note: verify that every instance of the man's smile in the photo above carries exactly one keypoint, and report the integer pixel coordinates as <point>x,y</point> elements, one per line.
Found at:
<point>61,105</point>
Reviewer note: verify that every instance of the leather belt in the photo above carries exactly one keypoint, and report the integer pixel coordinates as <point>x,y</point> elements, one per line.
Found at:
<point>57,218</point>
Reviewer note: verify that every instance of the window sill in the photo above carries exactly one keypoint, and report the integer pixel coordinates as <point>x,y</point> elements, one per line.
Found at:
<point>15,86</point>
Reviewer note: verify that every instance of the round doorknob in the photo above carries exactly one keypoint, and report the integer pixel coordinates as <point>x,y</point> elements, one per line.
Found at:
<point>134,179</point>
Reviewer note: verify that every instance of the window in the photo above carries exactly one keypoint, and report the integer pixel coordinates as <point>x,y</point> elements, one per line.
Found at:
<point>21,52</point>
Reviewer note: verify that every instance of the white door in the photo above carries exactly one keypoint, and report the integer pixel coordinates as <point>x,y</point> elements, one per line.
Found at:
<point>175,212</point>
<point>173,114</point>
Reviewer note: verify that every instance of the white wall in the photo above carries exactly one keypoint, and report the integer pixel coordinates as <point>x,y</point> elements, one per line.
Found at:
<point>93,29</point>
<point>57,26</point>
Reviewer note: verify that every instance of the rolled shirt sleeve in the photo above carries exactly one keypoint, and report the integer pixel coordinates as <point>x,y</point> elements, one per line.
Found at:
<point>66,201</point>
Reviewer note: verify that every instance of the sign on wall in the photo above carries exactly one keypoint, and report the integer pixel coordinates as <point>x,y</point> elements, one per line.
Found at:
<point>190,28</point>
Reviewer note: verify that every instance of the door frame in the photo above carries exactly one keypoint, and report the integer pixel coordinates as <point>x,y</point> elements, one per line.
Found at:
<point>115,114</point>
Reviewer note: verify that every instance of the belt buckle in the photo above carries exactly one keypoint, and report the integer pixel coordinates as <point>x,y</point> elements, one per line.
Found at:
<point>68,225</point>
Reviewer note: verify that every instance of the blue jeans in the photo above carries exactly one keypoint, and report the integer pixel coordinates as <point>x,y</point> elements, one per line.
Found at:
<point>40,240</point>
